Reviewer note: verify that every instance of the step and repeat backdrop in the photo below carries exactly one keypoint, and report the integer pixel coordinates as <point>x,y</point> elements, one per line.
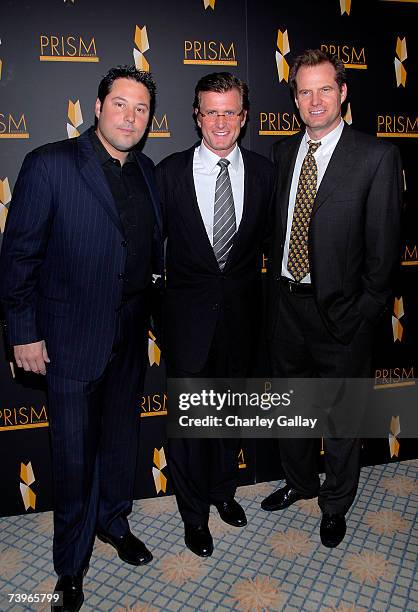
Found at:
<point>52,56</point>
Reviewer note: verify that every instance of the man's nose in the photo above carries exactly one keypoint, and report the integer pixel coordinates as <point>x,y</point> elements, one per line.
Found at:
<point>129,115</point>
<point>315,98</point>
<point>220,120</point>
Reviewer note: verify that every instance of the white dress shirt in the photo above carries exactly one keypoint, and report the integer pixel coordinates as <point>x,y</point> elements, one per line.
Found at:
<point>205,171</point>
<point>322,156</point>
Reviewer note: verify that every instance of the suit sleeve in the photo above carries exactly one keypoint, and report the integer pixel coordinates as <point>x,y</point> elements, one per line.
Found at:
<point>160,178</point>
<point>382,233</point>
<point>271,212</point>
<point>23,249</point>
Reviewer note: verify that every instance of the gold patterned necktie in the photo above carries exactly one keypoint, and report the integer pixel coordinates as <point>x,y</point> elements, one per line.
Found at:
<point>298,260</point>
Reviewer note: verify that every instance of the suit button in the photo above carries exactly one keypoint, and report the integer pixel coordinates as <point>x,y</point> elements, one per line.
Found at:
<point>124,243</point>
<point>215,306</point>
<point>121,276</point>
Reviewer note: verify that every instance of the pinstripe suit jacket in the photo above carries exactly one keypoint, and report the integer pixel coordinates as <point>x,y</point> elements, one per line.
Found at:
<point>61,256</point>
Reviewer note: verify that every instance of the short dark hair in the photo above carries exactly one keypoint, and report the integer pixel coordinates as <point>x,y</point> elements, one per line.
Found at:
<point>314,57</point>
<point>127,72</point>
<point>221,82</point>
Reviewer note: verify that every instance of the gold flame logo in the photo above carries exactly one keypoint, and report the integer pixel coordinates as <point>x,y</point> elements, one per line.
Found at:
<point>160,463</point>
<point>283,49</point>
<point>5,197</point>
<point>154,352</point>
<point>401,55</point>
<point>28,478</point>
<point>348,118</point>
<point>395,430</point>
<point>345,6</point>
<point>141,41</point>
<point>398,313</point>
<point>241,460</point>
<point>76,118</point>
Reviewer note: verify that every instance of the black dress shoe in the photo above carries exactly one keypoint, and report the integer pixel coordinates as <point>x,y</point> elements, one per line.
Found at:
<point>129,548</point>
<point>70,589</point>
<point>282,498</point>
<point>198,539</point>
<point>232,513</point>
<point>332,529</point>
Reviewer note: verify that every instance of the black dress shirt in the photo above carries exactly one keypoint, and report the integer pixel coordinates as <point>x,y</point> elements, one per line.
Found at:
<point>133,201</point>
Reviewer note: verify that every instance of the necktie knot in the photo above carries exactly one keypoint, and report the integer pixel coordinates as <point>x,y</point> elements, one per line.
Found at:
<point>223,163</point>
<point>313,146</point>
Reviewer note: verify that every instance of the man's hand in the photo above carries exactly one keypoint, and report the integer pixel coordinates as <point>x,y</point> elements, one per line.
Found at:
<point>31,357</point>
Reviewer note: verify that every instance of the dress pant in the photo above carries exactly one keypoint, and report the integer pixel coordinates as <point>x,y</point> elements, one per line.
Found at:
<point>94,435</point>
<point>302,347</point>
<point>204,471</point>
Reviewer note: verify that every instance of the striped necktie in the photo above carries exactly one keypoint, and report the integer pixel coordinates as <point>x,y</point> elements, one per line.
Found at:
<point>298,260</point>
<point>224,224</point>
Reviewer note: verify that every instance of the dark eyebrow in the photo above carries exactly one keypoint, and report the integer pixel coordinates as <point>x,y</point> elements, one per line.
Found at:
<point>125,100</point>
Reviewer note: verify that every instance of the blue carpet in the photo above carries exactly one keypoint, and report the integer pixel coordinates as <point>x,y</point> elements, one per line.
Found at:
<point>277,562</point>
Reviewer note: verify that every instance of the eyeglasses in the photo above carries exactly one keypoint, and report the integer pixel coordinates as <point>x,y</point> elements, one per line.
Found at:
<point>212,115</point>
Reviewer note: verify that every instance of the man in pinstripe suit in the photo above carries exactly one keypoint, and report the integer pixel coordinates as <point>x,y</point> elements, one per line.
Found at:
<point>82,240</point>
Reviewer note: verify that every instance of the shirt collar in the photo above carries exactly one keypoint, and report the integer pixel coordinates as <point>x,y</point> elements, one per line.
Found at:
<point>102,153</point>
<point>210,159</point>
<point>327,142</point>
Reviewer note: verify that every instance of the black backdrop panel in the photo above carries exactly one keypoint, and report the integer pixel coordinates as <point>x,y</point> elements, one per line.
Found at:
<point>185,40</point>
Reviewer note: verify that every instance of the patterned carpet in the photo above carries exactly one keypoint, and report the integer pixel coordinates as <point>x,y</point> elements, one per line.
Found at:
<point>276,563</point>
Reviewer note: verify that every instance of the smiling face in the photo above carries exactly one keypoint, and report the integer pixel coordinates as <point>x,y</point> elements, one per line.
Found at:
<point>123,117</point>
<point>220,133</point>
<point>319,99</point>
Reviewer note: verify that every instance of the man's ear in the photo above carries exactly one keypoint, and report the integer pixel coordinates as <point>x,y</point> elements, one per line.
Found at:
<point>343,92</point>
<point>196,112</point>
<point>244,118</point>
<point>97,108</point>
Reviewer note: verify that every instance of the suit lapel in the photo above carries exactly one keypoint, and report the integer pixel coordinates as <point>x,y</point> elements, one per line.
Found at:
<point>248,209</point>
<point>338,167</point>
<point>189,209</point>
<point>94,176</point>
<point>152,191</point>
<point>286,167</point>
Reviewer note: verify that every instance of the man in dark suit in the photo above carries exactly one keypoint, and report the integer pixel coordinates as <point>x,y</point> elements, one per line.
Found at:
<point>82,239</point>
<point>333,254</point>
<point>216,198</point>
